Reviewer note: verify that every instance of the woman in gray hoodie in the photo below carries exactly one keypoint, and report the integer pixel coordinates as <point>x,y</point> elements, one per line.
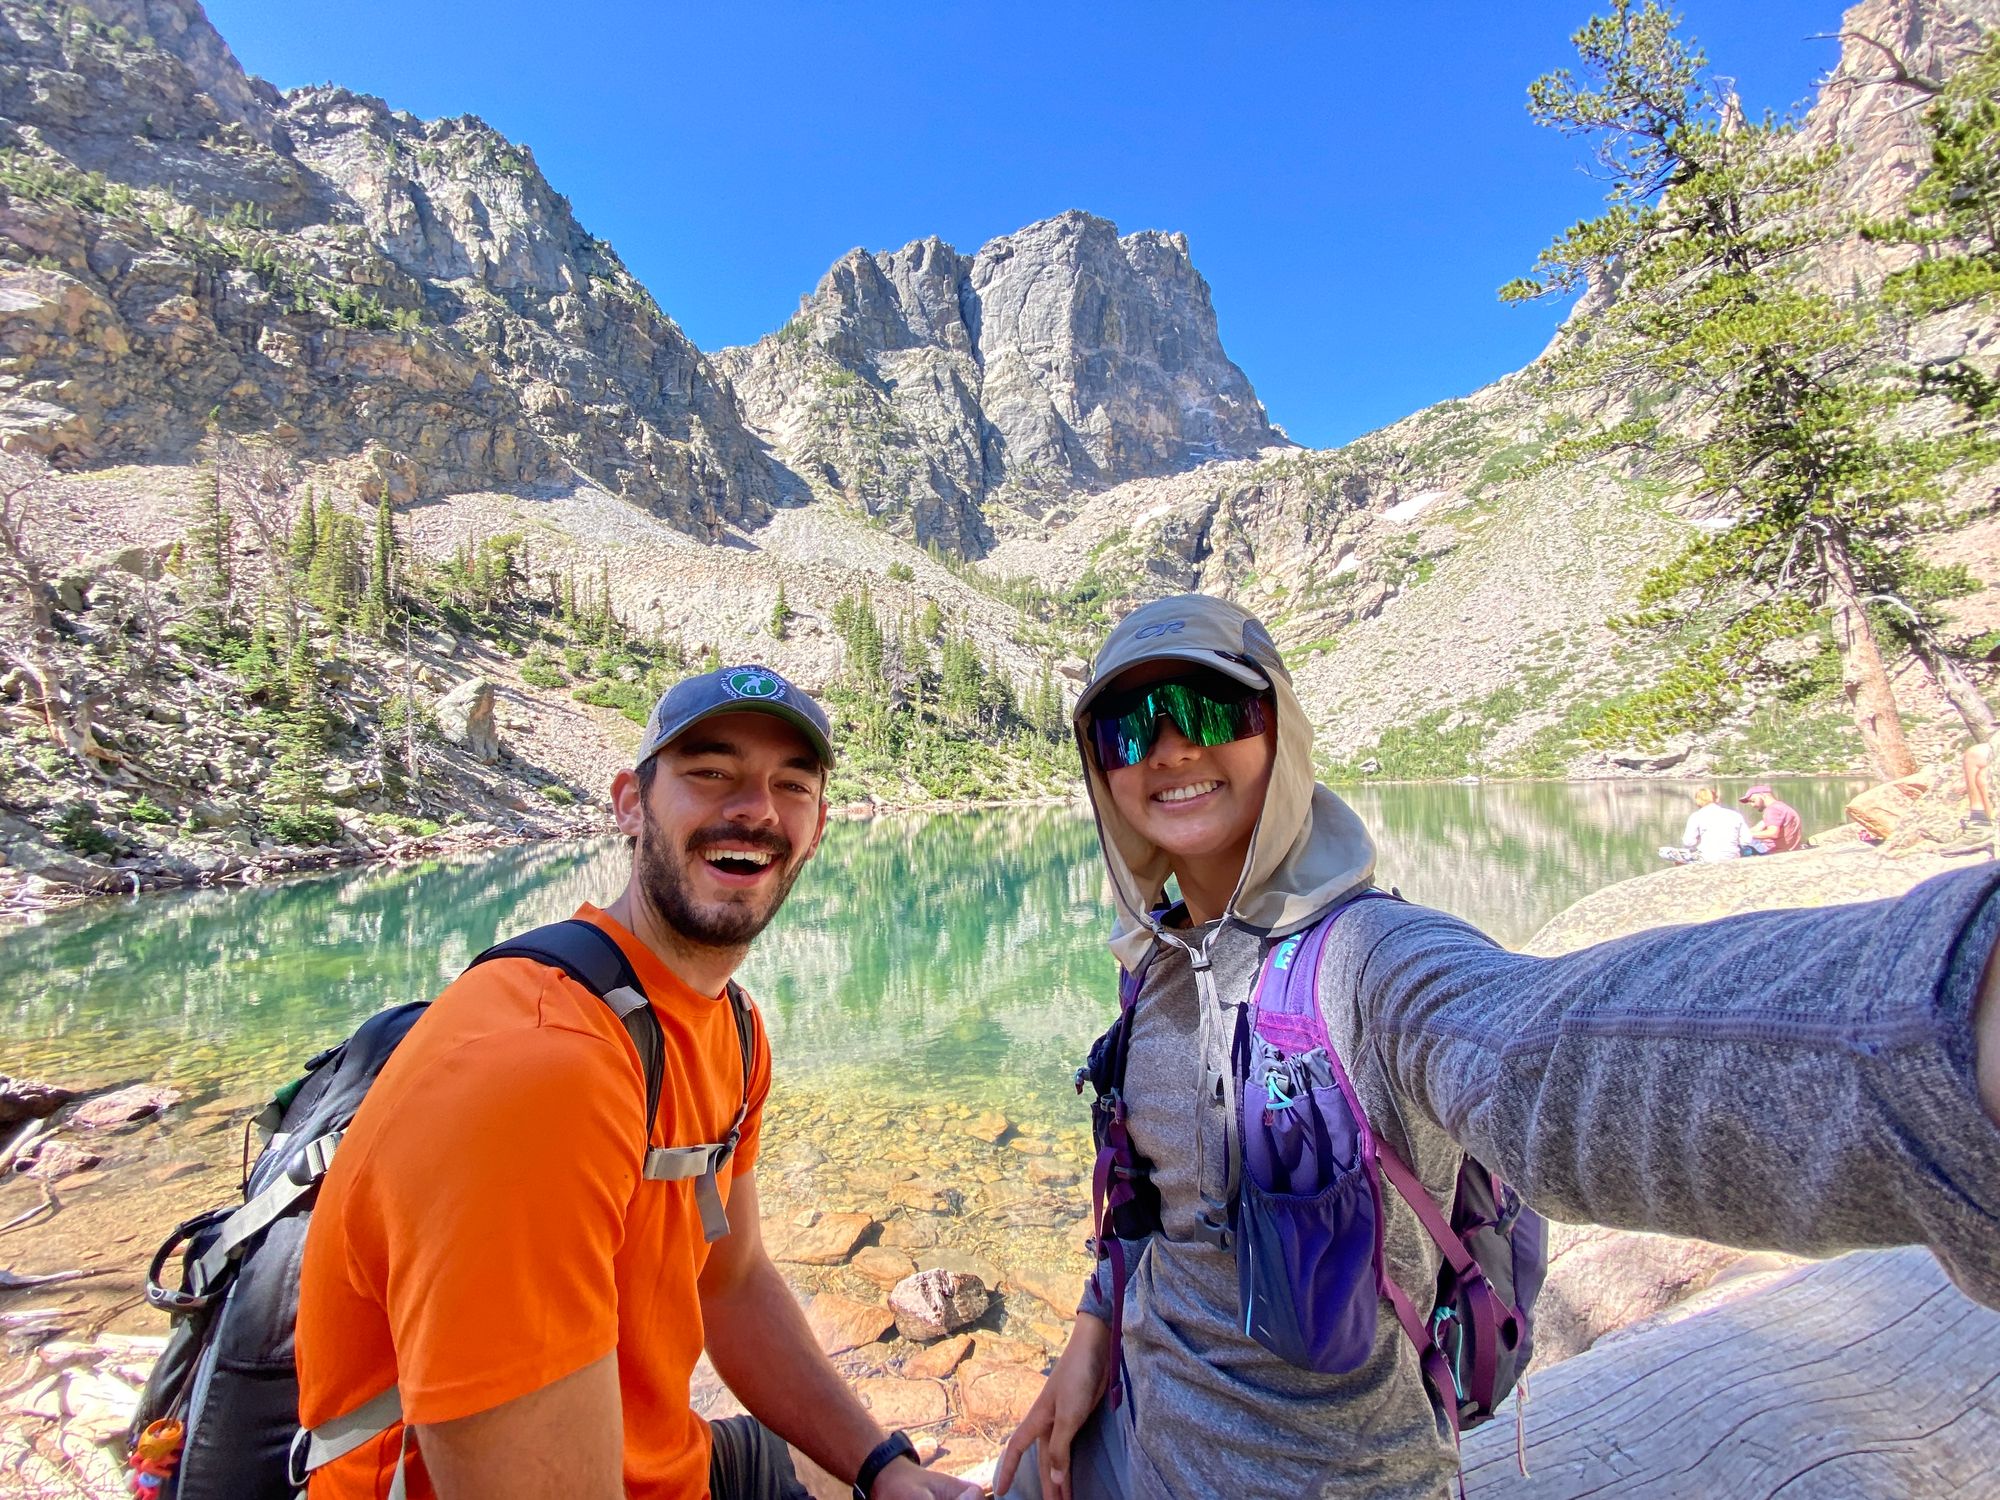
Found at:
<point>1666,1081</point>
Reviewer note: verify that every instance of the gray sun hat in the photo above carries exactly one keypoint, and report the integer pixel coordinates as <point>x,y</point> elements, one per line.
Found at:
<point>1192,628</point>
<point>733,690</point>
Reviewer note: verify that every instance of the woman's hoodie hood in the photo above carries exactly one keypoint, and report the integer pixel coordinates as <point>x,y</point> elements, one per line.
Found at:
<point>1309,848</point>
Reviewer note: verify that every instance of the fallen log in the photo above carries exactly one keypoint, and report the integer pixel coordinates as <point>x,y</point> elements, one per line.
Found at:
<point>1866,1376</point>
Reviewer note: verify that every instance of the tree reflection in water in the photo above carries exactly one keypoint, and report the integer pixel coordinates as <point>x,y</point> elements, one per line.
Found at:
<point>956,956</point>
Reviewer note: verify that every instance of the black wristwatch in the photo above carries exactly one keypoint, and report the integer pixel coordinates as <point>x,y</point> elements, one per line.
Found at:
<point>896,1445</point>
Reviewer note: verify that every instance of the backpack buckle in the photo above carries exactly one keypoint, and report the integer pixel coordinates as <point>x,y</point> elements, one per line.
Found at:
<point>296,1472</point>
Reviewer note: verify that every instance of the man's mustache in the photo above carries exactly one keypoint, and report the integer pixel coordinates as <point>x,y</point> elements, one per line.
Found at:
<point>768,840</point>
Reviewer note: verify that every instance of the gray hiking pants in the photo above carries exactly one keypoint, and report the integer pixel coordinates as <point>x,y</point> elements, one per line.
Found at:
<point>1097,1462</point>
<point>748,1461</point>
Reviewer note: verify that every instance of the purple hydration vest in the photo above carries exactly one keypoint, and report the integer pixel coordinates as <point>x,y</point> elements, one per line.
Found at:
<point>1307,1219</point>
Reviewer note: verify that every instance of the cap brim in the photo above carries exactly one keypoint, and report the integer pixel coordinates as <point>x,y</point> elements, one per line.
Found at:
<point>821,747</point>
<point>1229,666</point>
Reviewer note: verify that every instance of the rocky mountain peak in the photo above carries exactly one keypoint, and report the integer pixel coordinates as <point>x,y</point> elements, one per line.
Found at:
<point>923,383</point>
<point>346,278</point>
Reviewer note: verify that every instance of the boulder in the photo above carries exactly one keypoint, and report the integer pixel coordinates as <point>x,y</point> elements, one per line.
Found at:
<point>931,1304</point>
<point>30,1099</point>
<point>139,1102</point>
<point>1881,808</point>
<point>465,718</point>
<point>1664,759</point>
<point>842,1323</point>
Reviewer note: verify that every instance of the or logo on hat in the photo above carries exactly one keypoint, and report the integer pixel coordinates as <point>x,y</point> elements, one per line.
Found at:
<point>1159,628</point>
<point>752,682</point>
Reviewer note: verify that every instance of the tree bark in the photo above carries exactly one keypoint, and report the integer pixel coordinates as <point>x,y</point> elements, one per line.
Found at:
<point>1854,1379</point>
<point>1956,685</point>
<point>1864,678</point>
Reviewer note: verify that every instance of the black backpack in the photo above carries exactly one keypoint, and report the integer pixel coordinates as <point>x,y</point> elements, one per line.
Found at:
<point>227,1375</point>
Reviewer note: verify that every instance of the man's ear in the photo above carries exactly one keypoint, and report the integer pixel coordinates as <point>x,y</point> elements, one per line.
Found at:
<point>628,803</point>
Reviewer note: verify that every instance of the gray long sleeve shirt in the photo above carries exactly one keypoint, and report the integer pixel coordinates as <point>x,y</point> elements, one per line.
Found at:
<point>1800,1080</point>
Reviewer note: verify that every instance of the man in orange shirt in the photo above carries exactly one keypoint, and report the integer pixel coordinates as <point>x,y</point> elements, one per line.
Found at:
<point>490,1256</point>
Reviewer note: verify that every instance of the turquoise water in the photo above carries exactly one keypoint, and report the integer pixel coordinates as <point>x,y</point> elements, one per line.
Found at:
<point>929,975</point>
<point>959,953</point>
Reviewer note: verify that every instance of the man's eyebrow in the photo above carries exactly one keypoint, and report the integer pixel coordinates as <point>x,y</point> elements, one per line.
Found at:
<point>705,747</point>
<point>803,763</point>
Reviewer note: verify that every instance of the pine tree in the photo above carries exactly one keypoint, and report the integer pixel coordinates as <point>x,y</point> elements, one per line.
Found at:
<point>781,615</point>
<point>210,536</point>
<point>381,598</point>
<point>1784,393</point>
<point>305,536</point>
<point>333,583</point>
<point>1954,210</point>
<point>258,667</point>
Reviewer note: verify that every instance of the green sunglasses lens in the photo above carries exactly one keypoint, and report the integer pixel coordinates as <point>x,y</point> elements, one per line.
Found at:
<point>1124,734</point>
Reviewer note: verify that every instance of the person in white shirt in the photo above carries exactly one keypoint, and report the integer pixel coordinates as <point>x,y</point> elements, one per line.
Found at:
<point>1714,832</point>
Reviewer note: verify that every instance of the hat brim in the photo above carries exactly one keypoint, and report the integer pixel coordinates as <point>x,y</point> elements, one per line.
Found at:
<point>1229,666</point>
<point>821,747</point>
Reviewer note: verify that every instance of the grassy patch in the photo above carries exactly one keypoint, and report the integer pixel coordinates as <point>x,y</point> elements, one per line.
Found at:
<point>1792,737</point>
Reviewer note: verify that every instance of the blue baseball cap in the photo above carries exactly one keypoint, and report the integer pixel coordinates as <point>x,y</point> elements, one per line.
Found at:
<point>735,690</point>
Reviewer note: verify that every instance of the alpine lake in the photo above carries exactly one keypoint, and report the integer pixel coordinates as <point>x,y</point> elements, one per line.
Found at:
<point>929,990</point>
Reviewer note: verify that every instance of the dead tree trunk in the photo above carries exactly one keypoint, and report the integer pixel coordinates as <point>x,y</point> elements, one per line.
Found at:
<point>1959,688</point>
<point>1866,1376</point>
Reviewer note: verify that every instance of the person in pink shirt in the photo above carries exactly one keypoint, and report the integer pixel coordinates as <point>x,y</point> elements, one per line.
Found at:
<point>1778,829</point>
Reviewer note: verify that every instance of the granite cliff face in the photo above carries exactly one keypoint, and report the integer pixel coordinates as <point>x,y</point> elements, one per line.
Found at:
<point>352,281</point>
<point>927,385</point>
<point>407,299</point>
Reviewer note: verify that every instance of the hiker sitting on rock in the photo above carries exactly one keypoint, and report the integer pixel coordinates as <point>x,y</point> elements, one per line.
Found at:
<point>1243,1333</point>
<point>1779,829</point>
<point>1714,833</point>
<point>513,1255</point>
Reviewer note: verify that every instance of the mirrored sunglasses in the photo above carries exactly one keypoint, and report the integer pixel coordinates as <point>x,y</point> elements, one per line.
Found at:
<point>1208,710</point>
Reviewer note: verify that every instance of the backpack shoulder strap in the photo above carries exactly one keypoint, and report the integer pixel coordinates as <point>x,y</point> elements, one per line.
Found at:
<point>701,1163</point>
<point>592,957</point>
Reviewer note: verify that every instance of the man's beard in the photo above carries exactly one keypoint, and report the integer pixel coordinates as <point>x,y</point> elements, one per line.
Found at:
<point>723,924</point>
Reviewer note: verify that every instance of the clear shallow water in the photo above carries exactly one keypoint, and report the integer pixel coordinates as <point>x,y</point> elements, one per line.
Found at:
<point>927,975</point>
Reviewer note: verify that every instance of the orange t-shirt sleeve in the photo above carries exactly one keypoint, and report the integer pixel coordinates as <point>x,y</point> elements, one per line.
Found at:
<point>494,1212</point>
<point>759,1090</point>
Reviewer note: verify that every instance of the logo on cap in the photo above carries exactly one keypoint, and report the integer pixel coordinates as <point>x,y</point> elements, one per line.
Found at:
<point>1158,629</point>
<point>751,682</point>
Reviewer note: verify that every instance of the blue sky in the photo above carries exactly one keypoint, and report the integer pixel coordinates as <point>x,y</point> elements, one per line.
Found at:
<point>1355,179</point>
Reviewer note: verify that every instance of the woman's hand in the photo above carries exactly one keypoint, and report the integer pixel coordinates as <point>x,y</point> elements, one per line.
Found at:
<point>1068,1397</point>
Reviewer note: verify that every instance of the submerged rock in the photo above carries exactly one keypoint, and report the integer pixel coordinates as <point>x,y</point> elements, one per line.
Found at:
<point>59,1159</point>
<point>883,1266</point>
<point>940,1359</point>
<point>896,1402</point>
<point>827,1241</point>
<point>990,1127</point>
<point>996,1395</point>
<point>933,1303</point>
<point>842,1323</point>
<point>139,1102</point>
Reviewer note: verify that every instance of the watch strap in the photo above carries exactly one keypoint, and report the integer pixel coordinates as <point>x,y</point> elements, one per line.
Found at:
<point>896,1445</point>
